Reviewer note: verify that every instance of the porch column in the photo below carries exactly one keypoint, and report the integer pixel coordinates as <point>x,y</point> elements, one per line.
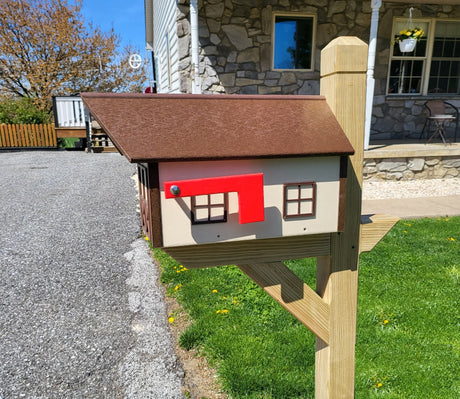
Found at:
<point>194,38</point>
<point>375,5</point>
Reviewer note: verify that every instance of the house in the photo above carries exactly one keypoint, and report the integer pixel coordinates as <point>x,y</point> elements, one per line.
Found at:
<point>273,47</point>
<point>230,168</point>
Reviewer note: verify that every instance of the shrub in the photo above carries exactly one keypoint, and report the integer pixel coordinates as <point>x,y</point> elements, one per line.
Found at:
<point>21,110</point>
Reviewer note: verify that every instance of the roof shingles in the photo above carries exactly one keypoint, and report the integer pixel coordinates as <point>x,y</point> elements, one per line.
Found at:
<point>168,127</point>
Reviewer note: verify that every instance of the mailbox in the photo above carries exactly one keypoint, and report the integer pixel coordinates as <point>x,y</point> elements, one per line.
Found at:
<point>231,174</point>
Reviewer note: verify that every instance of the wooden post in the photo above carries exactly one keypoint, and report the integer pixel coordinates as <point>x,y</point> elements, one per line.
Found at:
<point>343,83</point>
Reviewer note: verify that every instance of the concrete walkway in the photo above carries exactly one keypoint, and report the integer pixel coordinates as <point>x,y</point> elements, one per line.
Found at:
<point>81,314</point>
<point>409,208</point>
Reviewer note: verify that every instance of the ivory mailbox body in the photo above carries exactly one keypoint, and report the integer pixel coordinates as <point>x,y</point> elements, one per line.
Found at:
<point>297,196</point>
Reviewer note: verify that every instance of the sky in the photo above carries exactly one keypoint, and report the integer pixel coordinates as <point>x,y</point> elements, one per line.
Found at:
<point>125,16</point>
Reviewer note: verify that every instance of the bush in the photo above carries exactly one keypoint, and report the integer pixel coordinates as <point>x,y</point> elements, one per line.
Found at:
<point>17,111</point>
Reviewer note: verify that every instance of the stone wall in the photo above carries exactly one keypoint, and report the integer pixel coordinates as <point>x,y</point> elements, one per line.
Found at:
<point>397,118</point>
<point>236,43</point>
<point>411,168</point>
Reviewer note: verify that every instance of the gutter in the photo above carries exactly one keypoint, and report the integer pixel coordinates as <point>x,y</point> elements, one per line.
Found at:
<point>194,37</point>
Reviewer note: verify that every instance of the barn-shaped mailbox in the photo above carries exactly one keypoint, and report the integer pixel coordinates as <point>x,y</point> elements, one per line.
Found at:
<point>227,169</point>
<point>255,180</point>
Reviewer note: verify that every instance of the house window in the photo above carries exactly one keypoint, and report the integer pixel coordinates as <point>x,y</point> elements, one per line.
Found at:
<point>211,208</point>
<point>293,42</point>
<point>433,67</point>
<point>299,199</point>
<point>444,76</point>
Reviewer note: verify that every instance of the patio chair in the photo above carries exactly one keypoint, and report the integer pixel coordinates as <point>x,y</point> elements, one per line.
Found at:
<point>439,107</point>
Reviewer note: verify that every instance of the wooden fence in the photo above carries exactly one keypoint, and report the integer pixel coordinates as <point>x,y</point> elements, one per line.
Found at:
<point>28,136</point>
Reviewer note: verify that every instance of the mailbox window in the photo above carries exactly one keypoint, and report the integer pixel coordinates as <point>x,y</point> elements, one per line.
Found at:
<point>299,199</point>
<point>210,208</point>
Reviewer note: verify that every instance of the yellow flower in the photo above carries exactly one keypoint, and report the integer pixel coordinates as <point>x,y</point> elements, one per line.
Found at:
<point>177,287</point>
<point>379,385</point>
<point>385,321</point>
<point>214,291</point>
<point>146,238</point>
<point>405,231</point>
<point>171,319</point>
<point>451,238</point>
<point>225,311</point>
<point>217,311</point>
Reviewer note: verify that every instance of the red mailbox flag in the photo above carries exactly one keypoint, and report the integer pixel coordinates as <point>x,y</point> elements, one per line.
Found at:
<point>250,190</point>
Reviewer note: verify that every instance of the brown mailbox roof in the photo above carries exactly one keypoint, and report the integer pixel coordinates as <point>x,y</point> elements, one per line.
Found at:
<point>167,127</point>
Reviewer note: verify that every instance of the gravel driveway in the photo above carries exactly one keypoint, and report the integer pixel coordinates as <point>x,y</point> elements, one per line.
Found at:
<point>81,315</point>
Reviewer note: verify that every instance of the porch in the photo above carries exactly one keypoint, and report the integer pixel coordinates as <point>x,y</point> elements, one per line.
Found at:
<point>411,160</point>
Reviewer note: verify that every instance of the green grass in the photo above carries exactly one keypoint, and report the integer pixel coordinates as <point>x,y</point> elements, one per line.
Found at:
<point>67,142</point>
<point>408,337</point>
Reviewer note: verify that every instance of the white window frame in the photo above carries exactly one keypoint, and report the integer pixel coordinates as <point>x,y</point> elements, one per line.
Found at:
<point>313,40</point>
<point>426,59</point>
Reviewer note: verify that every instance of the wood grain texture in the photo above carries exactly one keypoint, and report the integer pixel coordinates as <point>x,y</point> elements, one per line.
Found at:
<point>277,280</point>
<point>79,132</point>
<point>27,136</point>
<point>255,251</point>
<point>373,229</point>
<point>343,83</point>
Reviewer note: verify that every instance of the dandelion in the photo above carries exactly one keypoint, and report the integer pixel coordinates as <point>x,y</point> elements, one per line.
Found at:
<point>146,238</point>
<point>405,231</point>
<point>385,321</point>
<point>217,311</point>
<point>451,239</point>
<point>170,320</point>
<point>225,311</point>
<point>214,291</point>
<point>379,385</point>
<point>177,287</point>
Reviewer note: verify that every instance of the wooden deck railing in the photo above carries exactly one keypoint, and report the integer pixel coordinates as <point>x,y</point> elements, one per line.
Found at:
<point>27,136</point>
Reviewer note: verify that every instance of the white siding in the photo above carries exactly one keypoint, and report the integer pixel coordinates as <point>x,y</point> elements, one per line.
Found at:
<point>165,46</point>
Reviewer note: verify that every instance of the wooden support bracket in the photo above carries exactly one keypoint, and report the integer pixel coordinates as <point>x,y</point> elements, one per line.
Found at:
<point>373,229</point>
<point>293,294</point>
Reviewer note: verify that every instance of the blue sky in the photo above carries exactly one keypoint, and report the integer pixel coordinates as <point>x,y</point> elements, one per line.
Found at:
<point>125,16</point>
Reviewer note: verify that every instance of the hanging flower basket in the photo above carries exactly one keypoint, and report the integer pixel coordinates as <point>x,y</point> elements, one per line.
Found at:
<point>407,39</point>
<point>407,45</point>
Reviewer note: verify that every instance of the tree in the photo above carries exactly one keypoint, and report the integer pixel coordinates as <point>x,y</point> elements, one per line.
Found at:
<point>46,49</point>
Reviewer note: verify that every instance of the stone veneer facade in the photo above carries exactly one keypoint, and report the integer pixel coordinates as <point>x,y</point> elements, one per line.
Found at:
<point>236,51</point>
<point>437,167</point>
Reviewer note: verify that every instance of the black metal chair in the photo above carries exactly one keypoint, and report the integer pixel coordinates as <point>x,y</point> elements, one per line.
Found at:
<point>439,107</point>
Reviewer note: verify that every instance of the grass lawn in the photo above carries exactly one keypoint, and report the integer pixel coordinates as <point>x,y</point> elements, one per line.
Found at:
<point>408,337</point>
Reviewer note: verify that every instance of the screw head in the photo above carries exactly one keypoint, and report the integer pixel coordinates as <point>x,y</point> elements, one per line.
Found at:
<point>175,190</point>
